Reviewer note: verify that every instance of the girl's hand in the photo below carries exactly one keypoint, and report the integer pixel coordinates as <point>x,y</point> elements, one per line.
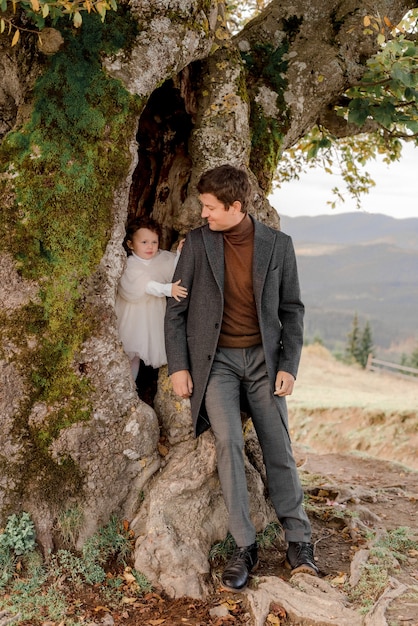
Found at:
<point>181,244</point>
<point>177,291</point>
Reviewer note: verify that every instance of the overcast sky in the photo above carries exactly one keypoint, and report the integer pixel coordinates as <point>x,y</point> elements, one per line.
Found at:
<point>395,193</point>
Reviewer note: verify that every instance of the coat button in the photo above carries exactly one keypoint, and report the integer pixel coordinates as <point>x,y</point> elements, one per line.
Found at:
<point>216,325</point>
<point>209,357</point>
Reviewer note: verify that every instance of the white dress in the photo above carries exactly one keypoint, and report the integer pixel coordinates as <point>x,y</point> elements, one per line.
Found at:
<point>140,306</point>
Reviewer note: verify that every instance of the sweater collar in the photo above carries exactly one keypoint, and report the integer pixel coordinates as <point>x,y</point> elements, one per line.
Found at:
<point>240,232</point>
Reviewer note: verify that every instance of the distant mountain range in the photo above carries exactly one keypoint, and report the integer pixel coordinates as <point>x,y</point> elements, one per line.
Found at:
<point>357,263</point>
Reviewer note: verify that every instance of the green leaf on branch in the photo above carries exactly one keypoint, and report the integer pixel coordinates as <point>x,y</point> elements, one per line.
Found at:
<point>404,75</point>
<point>358,111</point>
<point>412,126</point>
<point>384,114</point>
<point>411,94</point>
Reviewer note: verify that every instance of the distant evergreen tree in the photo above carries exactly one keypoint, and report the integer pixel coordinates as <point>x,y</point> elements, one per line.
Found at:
<point>414,358</point>
<point>359,343</point>
<point>411,360</point>
<point>366,345</point>
<point>353,341</point>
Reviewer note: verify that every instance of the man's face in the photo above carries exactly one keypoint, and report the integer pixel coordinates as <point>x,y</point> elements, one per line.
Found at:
<point>219,217</point>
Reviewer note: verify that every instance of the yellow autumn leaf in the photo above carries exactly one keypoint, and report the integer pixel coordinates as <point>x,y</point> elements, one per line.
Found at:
<point>15,38</point>
<point>273,619</point>
<point>45,10</point>
<point>99,607</point>
<point>77,19</point>
<point>35,5</point>
<point>366,20</point>
<point>387,22</point>
<point>2,25</point>
<point>130,578</point>
<point>101,8</point>
<point>162,449</point>
<point>221,34</point>
<point>339,580</point>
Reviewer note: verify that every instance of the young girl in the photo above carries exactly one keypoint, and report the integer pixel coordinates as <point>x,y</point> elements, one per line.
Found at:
<point>141,296</point>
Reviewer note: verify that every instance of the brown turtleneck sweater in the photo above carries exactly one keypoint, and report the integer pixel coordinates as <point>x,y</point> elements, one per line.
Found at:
<point>240,327</point>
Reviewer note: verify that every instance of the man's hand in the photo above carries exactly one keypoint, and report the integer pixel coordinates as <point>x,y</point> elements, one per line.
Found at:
<point>284,384</point>
<point>182,383</point>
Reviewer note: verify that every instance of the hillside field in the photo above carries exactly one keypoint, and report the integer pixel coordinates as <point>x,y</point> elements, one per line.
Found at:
<point>341,408</point>
<point>358,263</point>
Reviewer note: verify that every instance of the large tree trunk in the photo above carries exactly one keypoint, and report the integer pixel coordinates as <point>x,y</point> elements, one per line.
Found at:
<point>73,431</point>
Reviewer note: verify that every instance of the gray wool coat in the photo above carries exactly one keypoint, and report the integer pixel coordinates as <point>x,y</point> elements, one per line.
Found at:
<point>192,326</point>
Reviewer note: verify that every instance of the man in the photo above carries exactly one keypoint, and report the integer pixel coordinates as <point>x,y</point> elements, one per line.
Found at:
<point>239,333</point>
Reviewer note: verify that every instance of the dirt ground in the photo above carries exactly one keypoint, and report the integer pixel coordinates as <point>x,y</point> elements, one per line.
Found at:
<point>385,496</point>
<point>335,410</point>
<point>355,439</point>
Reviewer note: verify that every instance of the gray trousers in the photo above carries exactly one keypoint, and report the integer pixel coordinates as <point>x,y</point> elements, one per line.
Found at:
<point>244,369</point>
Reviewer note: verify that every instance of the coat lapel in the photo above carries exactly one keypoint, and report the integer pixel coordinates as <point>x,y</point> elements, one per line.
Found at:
<point>263,248</point>
<point>214,245</point>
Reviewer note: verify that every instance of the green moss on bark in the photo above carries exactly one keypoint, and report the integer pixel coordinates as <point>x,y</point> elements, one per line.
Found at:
<point>62,168</point>
<point>266,66</point>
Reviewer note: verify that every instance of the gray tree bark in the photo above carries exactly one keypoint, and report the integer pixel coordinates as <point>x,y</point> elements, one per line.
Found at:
<point>207,98</point>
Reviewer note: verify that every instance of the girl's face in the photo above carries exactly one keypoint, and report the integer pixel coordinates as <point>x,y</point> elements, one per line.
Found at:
<point>144,243</point>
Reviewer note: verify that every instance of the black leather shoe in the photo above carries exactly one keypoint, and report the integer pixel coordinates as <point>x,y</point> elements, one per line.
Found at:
<point>239,567</point>
<point>300,558</point>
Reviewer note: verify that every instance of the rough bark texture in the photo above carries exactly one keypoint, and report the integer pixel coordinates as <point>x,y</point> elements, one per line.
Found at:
<point>206,99</point>
<point>183,513</point>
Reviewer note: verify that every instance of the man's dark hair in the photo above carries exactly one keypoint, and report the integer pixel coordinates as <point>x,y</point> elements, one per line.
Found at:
<point>228,184</point>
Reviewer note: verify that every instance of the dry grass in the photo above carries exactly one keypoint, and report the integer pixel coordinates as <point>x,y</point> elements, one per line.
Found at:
<point>341,408</point>
<point>324,382</point>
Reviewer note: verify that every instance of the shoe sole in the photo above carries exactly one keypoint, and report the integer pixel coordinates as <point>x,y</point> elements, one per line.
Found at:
<point>224,587</point>
<point>302,569</point>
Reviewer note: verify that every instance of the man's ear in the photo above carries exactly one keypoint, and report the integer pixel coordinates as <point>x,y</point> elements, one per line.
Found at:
<point>236,205</point>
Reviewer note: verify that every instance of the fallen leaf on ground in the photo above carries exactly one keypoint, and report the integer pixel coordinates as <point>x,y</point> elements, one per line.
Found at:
<point>339,580</point>
<point>126,600</point>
